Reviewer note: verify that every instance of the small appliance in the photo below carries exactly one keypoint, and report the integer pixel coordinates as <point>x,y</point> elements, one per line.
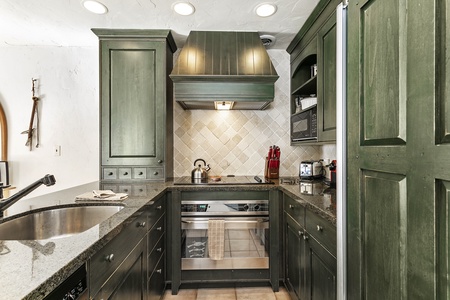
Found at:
<point>311,169</point>
<point>304,125</point>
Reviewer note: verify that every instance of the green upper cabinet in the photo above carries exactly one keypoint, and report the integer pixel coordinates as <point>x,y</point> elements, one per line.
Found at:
<point>136,104</point>
<point>314,48</point>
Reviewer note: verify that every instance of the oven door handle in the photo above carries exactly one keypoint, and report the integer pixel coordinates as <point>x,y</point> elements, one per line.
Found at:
<point>226,221</point>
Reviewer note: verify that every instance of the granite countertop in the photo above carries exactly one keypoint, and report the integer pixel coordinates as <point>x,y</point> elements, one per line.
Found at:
<point>32,269</point>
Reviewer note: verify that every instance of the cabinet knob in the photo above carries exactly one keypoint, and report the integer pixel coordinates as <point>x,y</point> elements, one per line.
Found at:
<point>319,228</point>
<point>141,224</point>
<point>159,228</point>
<point>110,257</point>
<point>110,174</point>
<point>141,173</point>
<point>155,173</point>
<point>159,271</point>
<point>305,237</point>
<point>291,206</point>
<point>159,250</point>
<point>300,233</point>
<point>126,173</point>
<point>160,161</point>
<point>159,207</point>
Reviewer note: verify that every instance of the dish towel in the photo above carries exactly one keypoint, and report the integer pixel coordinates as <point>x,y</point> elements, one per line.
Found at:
<point>216,238</point>
<point>101,195</point>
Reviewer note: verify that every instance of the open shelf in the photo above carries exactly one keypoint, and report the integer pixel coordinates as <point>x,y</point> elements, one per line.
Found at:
<point>308,88</point>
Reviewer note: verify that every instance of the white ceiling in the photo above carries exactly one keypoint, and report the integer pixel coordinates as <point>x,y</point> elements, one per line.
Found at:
<point>67,23</point>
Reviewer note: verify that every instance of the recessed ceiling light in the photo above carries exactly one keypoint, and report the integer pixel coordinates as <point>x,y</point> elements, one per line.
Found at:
<point>95,7</point>
<point>266,9</point>
<point>183,8</point>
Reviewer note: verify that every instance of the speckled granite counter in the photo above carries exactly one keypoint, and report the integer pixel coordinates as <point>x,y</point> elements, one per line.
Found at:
<point>32,269</point>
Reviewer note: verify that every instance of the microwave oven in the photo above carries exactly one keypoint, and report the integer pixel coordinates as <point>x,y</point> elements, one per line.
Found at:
<point>304,125</point>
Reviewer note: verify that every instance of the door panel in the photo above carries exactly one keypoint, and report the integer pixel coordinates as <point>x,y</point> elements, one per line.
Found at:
<point>398,153</point>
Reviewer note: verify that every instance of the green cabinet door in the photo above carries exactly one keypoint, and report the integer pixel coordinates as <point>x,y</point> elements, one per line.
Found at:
<point>398,150</point>
<point>132,115</point>
<point>326,81</point>
<point>295,259</point>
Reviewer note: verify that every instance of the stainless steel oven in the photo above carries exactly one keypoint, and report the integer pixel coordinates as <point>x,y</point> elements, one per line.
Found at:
<point>246,229</point>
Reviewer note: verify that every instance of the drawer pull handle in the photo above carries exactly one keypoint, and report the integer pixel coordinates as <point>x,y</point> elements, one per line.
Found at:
<point>125,174</point>
<point>109,258</point>
<point>319,228</point>
<point>159,228</point>
<point>141,173</point>
<point>159,207</point>
<point>159,250</point>
<point>141,224</point>
<point>155,173</point>
<point>160,161</point>
<point>291,206</point>
<point>159,271</point>
<point>110,174</point>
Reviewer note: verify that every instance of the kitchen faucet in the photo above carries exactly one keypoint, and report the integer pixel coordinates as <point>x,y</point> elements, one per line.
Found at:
<point>48,180</point>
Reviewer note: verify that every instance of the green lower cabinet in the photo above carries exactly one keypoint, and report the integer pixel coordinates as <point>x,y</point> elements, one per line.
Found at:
<point>310,267</point>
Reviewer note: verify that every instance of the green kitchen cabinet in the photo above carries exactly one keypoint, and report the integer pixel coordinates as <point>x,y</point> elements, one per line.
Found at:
<point>136,104</point>
<point>314,48</point>
<point>309,253</point>
<point>398,224</point>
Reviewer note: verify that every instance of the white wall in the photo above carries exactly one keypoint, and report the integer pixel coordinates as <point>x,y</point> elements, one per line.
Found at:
<point>69,113</point>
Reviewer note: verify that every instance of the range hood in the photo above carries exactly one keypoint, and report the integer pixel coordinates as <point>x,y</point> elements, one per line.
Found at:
<point>218,67</point>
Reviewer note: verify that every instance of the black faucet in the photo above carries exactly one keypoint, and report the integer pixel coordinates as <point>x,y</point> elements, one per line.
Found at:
<point>47,180</point>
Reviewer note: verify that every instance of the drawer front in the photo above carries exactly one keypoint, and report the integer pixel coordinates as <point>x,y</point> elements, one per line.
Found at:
<point>156,210</point>
<point>109,173</point>
<point>124,189</point>
<point>139,173</point>
<point>322,230</point>
<point>107,259</point>
<point>155,173</point>
<point>156,283</point>
<point>157,250</point>
<point>139,190</point>
<point>295,210</point>
<point>124,173</point>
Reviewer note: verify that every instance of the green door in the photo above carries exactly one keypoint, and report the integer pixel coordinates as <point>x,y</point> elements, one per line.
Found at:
<point>398,150</point>
<point>132,113</point>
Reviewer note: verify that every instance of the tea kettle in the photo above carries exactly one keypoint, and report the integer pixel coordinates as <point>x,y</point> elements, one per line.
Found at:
<point>199,173</point>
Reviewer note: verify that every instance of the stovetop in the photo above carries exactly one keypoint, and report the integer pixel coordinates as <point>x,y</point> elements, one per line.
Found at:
<point>224,180</point>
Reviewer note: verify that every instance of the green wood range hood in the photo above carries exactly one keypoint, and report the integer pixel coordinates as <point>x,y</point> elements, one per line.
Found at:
<point>215,67</point>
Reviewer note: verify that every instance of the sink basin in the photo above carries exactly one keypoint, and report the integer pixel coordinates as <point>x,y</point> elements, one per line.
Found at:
<point>56,223</point>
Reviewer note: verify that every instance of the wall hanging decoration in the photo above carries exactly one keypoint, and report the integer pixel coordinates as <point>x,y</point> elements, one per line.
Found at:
<point>34,114</point>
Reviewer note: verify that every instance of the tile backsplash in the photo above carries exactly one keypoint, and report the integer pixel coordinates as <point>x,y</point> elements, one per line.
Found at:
<point>237,141</point>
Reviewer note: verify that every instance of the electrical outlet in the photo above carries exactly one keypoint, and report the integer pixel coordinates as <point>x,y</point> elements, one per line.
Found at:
<point>57,150</point>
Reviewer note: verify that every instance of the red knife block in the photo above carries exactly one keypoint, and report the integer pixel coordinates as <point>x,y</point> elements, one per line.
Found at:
<point>272,169</point>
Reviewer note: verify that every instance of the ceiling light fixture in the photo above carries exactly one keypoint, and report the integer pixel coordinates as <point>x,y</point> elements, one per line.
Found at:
<point>95,7</point>
<point>183,8</point>
<point>265,9</point>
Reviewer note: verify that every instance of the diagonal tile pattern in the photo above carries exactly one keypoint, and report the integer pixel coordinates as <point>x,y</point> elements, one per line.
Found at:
<point>236,142</point>
<point>239,293</point>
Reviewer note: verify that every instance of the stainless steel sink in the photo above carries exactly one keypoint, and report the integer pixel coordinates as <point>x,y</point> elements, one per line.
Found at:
<point>55,223</point>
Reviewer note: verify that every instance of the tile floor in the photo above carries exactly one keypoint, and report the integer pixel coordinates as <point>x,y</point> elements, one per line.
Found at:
<point>229,293</point>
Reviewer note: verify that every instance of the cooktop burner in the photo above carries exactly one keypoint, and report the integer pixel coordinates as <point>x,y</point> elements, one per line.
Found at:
<point>223,180</point>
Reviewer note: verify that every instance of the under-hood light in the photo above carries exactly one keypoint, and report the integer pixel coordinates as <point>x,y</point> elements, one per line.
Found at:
<point>95,7</point>
<point>183,8</point>
<point>223,105</point>
<point>266,9</point>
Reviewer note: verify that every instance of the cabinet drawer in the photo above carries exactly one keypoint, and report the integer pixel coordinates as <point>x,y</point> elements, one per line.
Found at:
<point>156,283</point>
<point>156,210</point>
<point>295,210</point>
<point>322,230</point>
<point>155,173</point>
<point>109,173</point>
<point>156,249</point>
<point>108,259</point>
<point>124,173</point>
<point>139,173</point>
<point>155,233</point>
